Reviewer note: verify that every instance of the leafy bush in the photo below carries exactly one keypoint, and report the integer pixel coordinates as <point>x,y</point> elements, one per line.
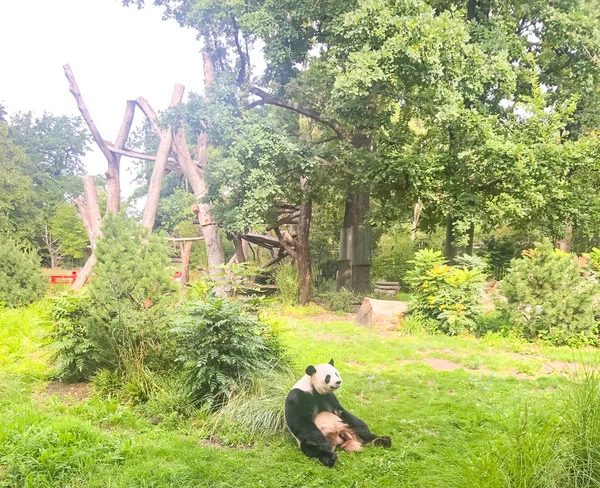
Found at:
<point>451,295</point>
<point>122,322</point>
<point>75,354</point>
<point>222,348</point>
<point>286,279</point>
<point>394,252</point>
<point>21,278</point>
<point>342,301</point>
<point>547,296</point>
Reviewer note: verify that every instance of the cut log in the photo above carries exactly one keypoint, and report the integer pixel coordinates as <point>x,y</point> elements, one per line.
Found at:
<point>380,312</point>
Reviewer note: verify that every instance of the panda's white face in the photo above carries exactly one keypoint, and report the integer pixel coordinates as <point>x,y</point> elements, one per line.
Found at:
<point>325,378</point>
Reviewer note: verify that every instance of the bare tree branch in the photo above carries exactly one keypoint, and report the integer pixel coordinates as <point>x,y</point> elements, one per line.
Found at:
<point>309,112</point>
<point>74,89</point>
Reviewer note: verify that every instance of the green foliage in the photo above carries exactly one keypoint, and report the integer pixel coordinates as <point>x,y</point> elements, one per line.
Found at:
<point>222,348</point>
<point>594,259</point>
<point>19,215</point>
<point>131,296</point>
<point>343,301</point>
<point>286,279</point>
<point>548,297</point>
<point>121,322</point>
<point>21,278</point>
<point>75,354</point>
<point>66,225</point>
<point>395,249</point>
<point>451,295</point>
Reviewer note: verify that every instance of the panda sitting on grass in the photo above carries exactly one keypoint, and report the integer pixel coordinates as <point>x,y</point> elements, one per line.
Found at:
<point>318,421</point>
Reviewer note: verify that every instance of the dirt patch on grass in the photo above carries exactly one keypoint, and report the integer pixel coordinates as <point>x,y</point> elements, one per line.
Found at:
<point>442,364</point>
<point>69,393</point>
<point>560,367</point>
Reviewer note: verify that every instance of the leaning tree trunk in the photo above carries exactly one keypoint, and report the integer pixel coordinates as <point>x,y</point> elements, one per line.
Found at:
<point>194,171</point>
<point>162,155</point>
<point>302,248</point>
<point>89,210</point>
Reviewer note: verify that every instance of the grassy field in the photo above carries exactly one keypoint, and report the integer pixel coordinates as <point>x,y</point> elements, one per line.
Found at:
<point>445,401</point>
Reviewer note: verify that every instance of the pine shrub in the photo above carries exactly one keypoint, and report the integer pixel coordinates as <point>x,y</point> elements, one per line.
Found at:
<point>548,296</point>
<point>21,278</point>
<point>121,321</point>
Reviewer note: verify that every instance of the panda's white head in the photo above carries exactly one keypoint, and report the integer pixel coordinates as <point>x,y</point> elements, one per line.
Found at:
<point>324,377</point>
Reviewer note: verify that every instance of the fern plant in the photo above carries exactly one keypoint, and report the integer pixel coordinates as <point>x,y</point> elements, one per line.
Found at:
<point>221,348</point>
<point>75,354</point>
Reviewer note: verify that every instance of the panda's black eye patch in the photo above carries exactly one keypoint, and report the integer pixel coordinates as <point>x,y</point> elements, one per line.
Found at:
<point>327,378</point>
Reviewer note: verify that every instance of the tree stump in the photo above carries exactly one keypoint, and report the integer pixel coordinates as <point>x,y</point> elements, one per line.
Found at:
<point>379,312</point>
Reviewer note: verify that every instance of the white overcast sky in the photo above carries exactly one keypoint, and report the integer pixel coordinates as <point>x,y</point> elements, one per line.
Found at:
<point>116,54</point>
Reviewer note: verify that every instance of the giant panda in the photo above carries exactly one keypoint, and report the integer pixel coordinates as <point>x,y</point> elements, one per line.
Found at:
<point>314,394</point>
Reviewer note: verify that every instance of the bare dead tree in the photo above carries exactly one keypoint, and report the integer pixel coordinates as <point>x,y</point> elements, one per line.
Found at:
<point>53,247</point>
<point>162,155</point>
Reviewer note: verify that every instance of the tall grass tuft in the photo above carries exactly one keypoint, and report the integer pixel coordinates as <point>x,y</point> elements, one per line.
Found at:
<point>550,444</point>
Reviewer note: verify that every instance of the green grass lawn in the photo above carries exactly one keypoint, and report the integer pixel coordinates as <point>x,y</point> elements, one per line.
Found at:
<point>436,418</point>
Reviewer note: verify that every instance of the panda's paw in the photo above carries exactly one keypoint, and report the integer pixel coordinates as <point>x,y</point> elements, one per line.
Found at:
<point>328,459</point>
<point>383,441</point>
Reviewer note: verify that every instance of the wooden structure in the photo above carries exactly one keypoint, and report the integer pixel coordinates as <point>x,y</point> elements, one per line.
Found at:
<point>387,287</point>
<point>63,279</point>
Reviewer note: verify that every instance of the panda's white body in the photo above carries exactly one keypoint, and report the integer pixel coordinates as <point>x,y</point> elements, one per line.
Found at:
<point>312,395</point>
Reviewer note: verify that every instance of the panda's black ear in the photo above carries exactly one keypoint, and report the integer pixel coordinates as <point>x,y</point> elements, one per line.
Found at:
<point>310,370</point>
<point>331,361</point>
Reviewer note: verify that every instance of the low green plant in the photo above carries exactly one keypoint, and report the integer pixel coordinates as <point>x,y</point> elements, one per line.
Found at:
<point>221,348</point>
<point>21,278</point>
<point>550,297</point>
<point>343,301</point>
<point>286,279</point>
<point>451,295</point>
<point>76,356</point>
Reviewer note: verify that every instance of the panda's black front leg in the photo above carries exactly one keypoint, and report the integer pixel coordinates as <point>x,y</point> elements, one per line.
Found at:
<point>315,446</point>
<point>360,427</point>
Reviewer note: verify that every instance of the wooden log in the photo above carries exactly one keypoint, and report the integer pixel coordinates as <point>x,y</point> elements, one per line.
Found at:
<point>379,312</point>
<point>113,184</point>
<point>387,283</point>
<point>164,149</point>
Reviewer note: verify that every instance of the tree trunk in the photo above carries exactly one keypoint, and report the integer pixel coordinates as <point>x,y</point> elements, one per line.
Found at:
<point>303,250</point>
<point>565,243</point>
<point>238,245</point>
<point>449,248</point>
<point>417,208</point>
<point>354,265</point>
<point>89,210</point>
<point>164,149</point>
<point>471,244</point>
<point>186,250</point>
<point>113,174</point>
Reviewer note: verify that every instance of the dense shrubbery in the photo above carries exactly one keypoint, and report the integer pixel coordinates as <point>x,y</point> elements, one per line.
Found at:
<point>76,356</point>
<point>222,349</point>
<point>21,279</point>
<point>342,301</point>
<point>394,252</point>
<point>121,321</point>
<point>286,279</point>
<point>448,296</point>
<point>547,295</point>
